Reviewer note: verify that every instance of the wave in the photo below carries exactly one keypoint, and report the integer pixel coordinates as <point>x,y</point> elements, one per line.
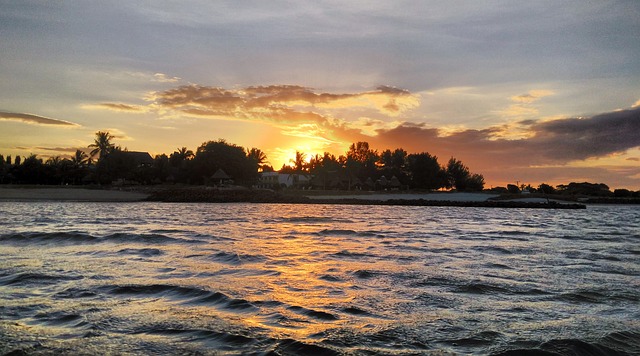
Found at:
<point>316,314</point>
<point>620,343</point>
<point>186,295</point>
<point>61,318</point>
<point>295,347</point>
<point>309,219</point>
<point>346,232</point>
<point>220,340</point>
<point>232,258</point>
<point>142,252</point>
<point>30,278</point>
<point>76,237</point>
<point>352,255</point>
<point>596,296</point>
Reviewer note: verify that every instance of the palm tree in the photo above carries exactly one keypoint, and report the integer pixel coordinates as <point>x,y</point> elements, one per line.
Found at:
<point>184,154</point>
<point>102,144</point>
<point>54,161</point>
<point>258,157</point>
<point>80,159</point>
<point>299,164</point>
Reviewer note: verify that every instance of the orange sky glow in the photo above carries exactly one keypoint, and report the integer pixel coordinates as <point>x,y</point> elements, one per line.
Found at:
<point>536,94</point>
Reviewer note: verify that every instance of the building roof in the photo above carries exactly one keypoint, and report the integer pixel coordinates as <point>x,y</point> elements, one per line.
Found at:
<point>220,174</point>
<point>140,158</point>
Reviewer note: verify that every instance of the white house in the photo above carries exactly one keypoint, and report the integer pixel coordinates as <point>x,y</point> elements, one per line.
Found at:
<point>282,180</point>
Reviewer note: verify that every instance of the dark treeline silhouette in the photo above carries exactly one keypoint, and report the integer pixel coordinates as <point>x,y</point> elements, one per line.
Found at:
<point>364,168</point>
<point>359,168</point>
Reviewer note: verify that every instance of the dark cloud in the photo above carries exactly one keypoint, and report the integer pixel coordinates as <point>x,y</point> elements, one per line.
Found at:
<point>581,138</point>
<point>552,142</point>
<point>34,119</point>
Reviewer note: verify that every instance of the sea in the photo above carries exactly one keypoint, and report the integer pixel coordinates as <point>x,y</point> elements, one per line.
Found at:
<point>150,278</point>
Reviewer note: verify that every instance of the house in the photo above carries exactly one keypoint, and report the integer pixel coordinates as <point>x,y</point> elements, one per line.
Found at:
<point>220,177</point>
<point>275,180</point>
<point>141,159</point>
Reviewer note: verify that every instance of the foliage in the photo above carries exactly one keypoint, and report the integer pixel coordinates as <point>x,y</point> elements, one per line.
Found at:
<point>461,178</point>
<point>359,168</point>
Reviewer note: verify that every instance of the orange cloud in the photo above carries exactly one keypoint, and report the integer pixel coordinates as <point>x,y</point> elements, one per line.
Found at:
<point>278,102</point>
<point>117,107</point>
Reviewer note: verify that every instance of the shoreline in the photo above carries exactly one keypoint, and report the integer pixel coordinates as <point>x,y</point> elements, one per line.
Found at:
<point>199,194</point>
<point>71,194</point>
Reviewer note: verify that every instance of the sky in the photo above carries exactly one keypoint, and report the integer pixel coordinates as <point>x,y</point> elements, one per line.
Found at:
<point>522,92</point>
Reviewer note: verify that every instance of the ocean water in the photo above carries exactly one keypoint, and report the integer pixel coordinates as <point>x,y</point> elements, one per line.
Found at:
<point>158,278</point>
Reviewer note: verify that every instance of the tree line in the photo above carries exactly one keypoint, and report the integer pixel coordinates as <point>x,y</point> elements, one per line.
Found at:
<point>107,163</point>
<point>359,167</point>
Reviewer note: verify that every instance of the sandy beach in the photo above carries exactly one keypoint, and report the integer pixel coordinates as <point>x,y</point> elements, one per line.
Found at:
<point>68,194</point>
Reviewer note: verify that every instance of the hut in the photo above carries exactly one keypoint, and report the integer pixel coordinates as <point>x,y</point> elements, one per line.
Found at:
<point>221,177</point>
<point>394,183</point>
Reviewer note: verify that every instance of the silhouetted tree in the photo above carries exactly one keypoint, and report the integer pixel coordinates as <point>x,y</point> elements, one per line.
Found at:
<point>461,178</point>
<point>546,189</point>
<point>458,174</point>
<point>426,172</point>
<point>585,188</point>
<point>102,144</point>
<point>214,155</point>
<point>361,160</point>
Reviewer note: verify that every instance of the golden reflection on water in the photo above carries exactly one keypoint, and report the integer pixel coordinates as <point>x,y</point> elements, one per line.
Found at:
<point>384,277</point>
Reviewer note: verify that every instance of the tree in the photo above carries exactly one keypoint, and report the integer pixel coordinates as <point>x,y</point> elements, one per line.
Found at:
<point>323,168</point>
<point>80,159</point>
<point>299,163</point>
<point>461,178</point>
<point>458,174</point>
<point>426,172</point>
<point>102,144</point>
<point>258,158</point>
<point>546,189</point>
<point>361,161</point>
<point>475,183</point>
<point>179,156</point>
<point>232,159</point>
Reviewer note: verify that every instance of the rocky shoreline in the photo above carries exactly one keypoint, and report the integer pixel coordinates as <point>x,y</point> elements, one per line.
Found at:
<point>266,196</point>
<point>189,194</point>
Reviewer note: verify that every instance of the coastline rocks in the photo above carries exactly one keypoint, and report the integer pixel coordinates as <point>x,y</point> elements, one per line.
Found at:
<point>198,194</point>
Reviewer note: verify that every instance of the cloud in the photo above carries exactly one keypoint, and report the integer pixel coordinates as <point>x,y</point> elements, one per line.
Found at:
<point>59,149</point>
<point>554,142</point>
<point>531,96</point>
<point>117,107</point>
<point>163,78</point>
<point>523,104</point>
<point>278,101</point>
<point>34,119</point>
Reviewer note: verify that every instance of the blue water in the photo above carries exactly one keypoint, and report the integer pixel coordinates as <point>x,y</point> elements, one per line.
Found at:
<point>157,278</point>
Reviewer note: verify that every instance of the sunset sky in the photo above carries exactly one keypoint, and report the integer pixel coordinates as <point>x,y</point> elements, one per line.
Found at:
<point>528,91</point>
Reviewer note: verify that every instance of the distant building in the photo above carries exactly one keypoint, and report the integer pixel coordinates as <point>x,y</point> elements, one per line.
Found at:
<point>141,159</point>
<point>274,180</point>
<point>221,177</point>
